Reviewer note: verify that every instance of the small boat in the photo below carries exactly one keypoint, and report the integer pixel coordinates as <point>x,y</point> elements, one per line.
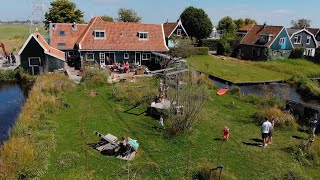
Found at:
<point>222,91</point>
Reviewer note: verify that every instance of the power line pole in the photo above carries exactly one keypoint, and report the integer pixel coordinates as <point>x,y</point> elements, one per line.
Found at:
<point>38,11</point>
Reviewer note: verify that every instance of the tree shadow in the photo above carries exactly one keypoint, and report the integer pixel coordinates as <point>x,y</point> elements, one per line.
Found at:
<point>134,107</point>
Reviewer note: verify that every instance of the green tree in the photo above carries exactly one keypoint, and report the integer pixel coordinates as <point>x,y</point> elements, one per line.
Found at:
<point>249,21</point>
<point>196,22</point>
<point>300,23</point>
<point>128,15</point>
<point>239,23</point>
<point>243,22</point>
<point>107,18</point>
<point>227,25</point>
<point>63,11</point>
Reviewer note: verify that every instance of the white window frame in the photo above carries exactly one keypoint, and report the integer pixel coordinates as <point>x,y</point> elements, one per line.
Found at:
<point>34,58</point>
<point>102,56</point>
<point>87,56</point>
<point>146,56</point>
<point>308,40</point>
<point>62,34</point>
<point>126,56</point>
<point>95,32</point>
<point>179,32</point>
<point>142,37</point>
<point>281,41</point>
<point>296,38</point>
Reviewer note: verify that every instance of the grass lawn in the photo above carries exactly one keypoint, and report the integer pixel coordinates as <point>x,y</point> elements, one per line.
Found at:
<point>161,157</point>
<point>14,35</point>
<point>245,71</point>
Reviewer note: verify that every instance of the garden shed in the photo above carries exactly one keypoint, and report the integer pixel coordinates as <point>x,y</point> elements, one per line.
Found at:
<point>38,57</point>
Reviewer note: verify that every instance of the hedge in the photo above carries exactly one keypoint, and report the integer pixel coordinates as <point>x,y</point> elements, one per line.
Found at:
<point>297,53</point>
<point>201,50</point>
<point>212,44</point>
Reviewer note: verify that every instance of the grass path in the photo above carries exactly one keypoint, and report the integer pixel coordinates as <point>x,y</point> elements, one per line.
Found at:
<point>161,157</point>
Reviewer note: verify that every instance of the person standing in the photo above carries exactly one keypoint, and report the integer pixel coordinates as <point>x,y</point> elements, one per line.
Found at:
<point>265,129</point>
<point>271,130</point>
<point>312,127</point>
<point>161,124</point>
<point>226,133</point>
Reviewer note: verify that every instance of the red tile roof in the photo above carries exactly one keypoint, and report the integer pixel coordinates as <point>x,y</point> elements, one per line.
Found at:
<point>253,36</point>
<point>168,28</point>
<point>314,31</point>
<point>122,36</point>
<point>48,49</point>
<point>70,37</point>
<point>246,28</point>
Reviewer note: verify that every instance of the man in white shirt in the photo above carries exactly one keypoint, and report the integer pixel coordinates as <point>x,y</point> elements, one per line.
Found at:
<point>265,129</point>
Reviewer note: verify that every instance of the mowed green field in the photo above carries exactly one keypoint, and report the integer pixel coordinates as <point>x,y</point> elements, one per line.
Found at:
<point>162,157</point>
<point>14,35</point>
<point>248,71</point>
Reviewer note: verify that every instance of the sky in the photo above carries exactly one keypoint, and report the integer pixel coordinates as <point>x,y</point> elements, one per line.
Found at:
<point>273,12</point>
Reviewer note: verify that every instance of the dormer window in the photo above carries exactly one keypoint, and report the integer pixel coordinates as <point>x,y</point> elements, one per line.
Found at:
<point>143,35</point>
<point>265,38</point>
<point>62,33</point>
<point>98,34</point>
<point>179,32</point>
<point>297,39</point>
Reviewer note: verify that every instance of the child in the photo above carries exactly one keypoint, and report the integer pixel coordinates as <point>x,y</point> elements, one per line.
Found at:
<point>226,133</point>
<point>161,122</point>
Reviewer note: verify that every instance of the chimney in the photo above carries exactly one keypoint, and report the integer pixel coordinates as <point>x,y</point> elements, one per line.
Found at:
<point>74,26</point>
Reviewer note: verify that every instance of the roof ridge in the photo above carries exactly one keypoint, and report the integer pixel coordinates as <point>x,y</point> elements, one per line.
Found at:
<point>85,31</point>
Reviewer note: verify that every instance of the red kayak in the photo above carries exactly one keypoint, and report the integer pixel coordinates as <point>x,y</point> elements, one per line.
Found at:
<point>222,91</point>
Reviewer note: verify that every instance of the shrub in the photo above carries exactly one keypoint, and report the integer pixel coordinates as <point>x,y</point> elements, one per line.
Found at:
<point>292,175</point>
<point>297,53</point>
<point>7,75</point>
<point>201,50</point>
<point>212,44</point>
<point>132,93</point>
<point>317,54</point>
<point>264,101</point>
<point>282,119</point>
<point>94,76</point>
<point>307,88</point>
<point>224,48</point>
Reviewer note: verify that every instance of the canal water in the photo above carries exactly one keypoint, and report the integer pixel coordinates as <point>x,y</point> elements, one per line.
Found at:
<point>12,99</point>
<point>281,90</point>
